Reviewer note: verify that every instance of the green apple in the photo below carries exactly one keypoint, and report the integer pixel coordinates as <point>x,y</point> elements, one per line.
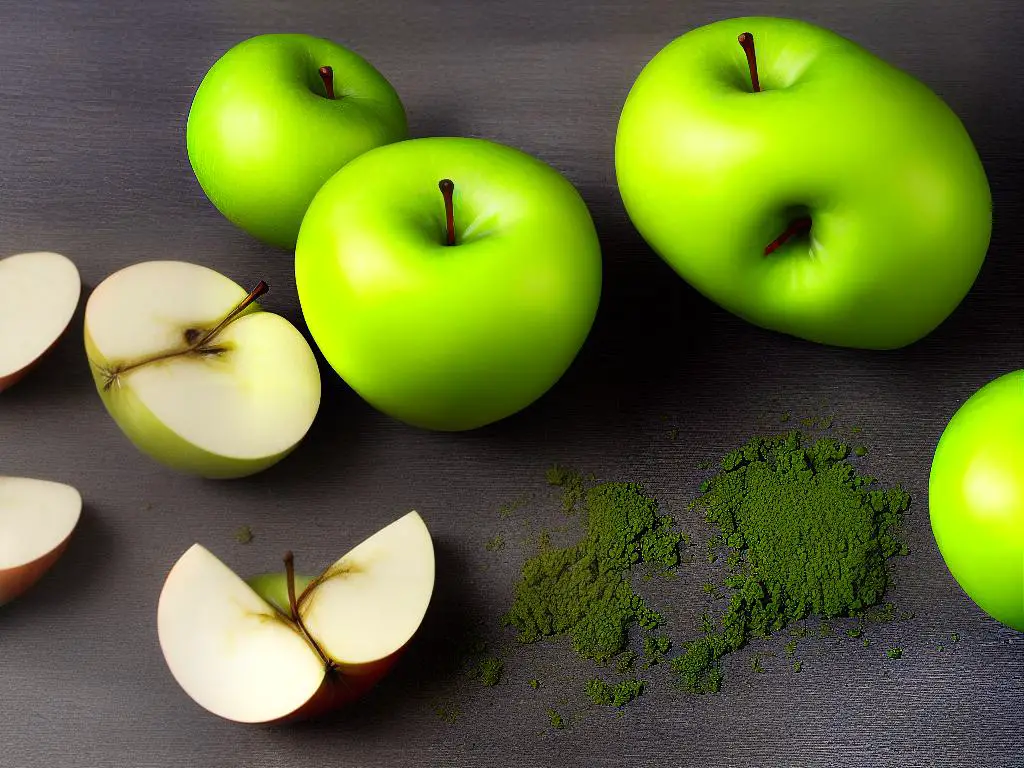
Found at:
<point>804,184</point>
<point>194,373</point>
<point>449,281</point>
<point>976,498</point>
<point>37,518</point>
<point>39,294</point>
<point>285,648</point>
<point>275,117</point>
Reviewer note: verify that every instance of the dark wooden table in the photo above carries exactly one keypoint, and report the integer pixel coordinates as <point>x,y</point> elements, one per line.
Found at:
<point>93,98</point>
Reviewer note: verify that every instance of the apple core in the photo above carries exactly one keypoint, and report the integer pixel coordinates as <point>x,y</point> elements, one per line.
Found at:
<point>197,341</point>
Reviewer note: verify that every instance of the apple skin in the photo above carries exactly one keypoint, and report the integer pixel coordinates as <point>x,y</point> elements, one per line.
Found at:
<point>262,137</point>
<point>976,498</point>
<point>711,173</point>
<point>448,337</point>
<point>14,582</point>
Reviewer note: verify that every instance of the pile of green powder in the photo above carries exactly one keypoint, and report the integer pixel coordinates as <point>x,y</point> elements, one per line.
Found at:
<point>582,590</point>
<point>802,533</point>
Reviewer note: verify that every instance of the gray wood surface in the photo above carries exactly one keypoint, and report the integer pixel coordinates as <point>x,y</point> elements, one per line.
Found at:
<point>93,98</point>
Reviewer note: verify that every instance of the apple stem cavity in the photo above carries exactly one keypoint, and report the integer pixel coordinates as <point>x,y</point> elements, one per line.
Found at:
<point>746,41</point>
<point>196,341</point>
<point>796,227</point>
<point>293,606</point>
<point>327,75</point>
<point>447,187</point>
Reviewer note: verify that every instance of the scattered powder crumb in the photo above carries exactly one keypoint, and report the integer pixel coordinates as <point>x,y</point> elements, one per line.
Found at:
<point>496,544</point>
<point>488,671</point>
<point>244,535</point>
<point>625,661</point>
<point>894,653</point>
<point>557,721</point>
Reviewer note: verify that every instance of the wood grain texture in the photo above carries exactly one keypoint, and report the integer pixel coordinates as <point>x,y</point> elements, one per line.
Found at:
<point>93,98</point>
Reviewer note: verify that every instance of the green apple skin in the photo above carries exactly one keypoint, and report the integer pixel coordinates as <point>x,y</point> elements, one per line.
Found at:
<point>448,337</point>
<point>263,137</point>
<point>976,498</point>
<point>711,173</point>
<point>273,587</point>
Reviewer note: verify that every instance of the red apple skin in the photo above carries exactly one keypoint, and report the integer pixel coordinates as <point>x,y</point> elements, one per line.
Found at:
<point>15,581</point>
<point>341,688</point>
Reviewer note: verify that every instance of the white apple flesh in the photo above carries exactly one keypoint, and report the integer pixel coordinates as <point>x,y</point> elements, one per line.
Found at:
<point>39,293</point>
<point>243,659</point>
<point>194,373</point>
<point>37,517</point>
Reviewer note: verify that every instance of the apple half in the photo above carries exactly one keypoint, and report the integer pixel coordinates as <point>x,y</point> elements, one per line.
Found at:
<point>195,373</point>
<point>263,651</point>
<point>39,293</point>
<point>37,518</point>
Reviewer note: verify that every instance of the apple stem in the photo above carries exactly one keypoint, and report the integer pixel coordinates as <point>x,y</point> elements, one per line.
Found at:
<point>293,606</point>
<point>327,75</point>
<point>260,289</point>
<point>447,187</point>
<point>746,40</point>
<point>194,341</point>
<point>796,227</point>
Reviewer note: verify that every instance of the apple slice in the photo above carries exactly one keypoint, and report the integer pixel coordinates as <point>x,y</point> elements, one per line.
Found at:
<point>195,373</point>
<point>39,293</point>
<point>37,518</point>
<point>266,654</point>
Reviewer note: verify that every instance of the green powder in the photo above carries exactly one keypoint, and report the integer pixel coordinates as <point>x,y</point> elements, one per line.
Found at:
<point>244,535</point>
<point>557,721</point>
<point>582,590</point>
<point>488,671</point>
<point>496,544</point>
<point>655,649</point>
<point>810,537</point>
<point>894,653</point>
<point>571,483</point>
<point>614,695</point>
<point>625,661</point>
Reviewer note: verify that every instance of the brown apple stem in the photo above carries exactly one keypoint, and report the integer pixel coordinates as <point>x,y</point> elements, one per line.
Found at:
<point>195,340</point>
<point>447,187</point>
<point>796,227</point>
<point>747,42</point>
<point>327,75</point>
<point>293,606</point>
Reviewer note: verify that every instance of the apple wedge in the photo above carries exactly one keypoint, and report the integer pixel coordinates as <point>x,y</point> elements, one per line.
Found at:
<point>261,652</point>
<point>39,293</point>
<point>37,518</point>
<point>195,373</point>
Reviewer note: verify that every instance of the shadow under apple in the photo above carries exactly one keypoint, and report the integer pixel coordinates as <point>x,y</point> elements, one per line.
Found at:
<point>87,562</point>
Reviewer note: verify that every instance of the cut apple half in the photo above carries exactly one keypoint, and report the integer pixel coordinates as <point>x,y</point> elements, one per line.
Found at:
<point>195,373</point>
<point>37,518</point>
<point>39,293</point>
<point>272,653</point>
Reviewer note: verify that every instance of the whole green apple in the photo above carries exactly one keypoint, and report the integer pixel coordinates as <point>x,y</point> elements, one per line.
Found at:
<point>275,117</point>
<point>976,498</point>
<point>449,281</point>
<point>803,183</point>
